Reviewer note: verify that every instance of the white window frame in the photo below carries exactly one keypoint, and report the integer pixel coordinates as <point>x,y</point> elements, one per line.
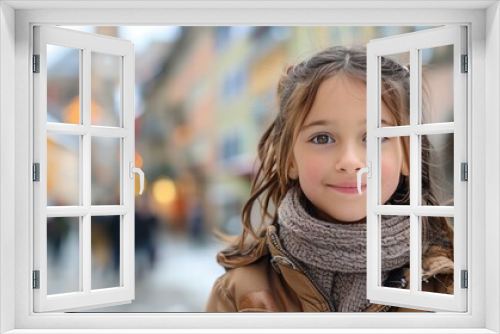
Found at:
<point>413,43</point>
<point>123,52</point>
<point>17,19</point>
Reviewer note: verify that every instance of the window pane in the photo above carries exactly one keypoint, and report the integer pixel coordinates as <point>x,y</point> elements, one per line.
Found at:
<point>437,84</point>
<point>395,251</point>
<point>394,151</point>
<point>394,171</point>
<point>105,89</point>
<point>63,84</point>
<point>105,171</point>
<point>63,255</point>
<point>437,169</point>
<point>105,252</point>
<point>395,76</point>
<point>437,243</point>
<point>63,169</point>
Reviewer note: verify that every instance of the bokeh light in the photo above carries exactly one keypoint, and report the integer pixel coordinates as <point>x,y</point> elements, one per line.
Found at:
<point>164,191</point>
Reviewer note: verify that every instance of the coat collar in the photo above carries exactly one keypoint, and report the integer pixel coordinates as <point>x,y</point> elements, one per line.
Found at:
<point>437,261</point>
<point>310,295</point>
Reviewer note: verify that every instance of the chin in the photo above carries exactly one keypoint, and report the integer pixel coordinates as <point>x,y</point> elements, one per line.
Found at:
<point>352,221</point>
<point>349,217</point>
<point>343,213</point>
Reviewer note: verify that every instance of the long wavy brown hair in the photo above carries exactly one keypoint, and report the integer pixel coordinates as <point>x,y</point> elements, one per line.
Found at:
<point>296,91</point>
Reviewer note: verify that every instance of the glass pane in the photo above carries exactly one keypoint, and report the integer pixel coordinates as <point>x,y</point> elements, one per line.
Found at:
<point>395,171</point>
<point>105,171</point>
<point>437,251</point>
<point>63,169</point>
<point>395,89</point>
<point>437,169</point>
<point>63,84</point>
<point>105,89</point>
<point>63,255</point>
<point>395,251</point>
<point>105,252</point>
<point>437,85</point>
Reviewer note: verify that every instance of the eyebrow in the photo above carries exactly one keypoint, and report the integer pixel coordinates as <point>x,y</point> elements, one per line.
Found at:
<point>384,122</point>
<point>315,123</point>
<point>324,122</point>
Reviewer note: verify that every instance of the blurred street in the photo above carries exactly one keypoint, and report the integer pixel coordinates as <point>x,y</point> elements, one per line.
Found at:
<point>203,98</point>
<point>180,280</point>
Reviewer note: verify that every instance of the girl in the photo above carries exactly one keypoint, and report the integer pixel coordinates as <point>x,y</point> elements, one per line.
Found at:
<point>308,251</point>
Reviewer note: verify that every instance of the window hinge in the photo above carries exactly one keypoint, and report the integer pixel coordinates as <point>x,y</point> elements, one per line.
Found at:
<point>465,279</point>
<point>36,63</point>
<point>465,172</point>
<point>36,279</point>
<point>465,64</point>
<point>36,172</point>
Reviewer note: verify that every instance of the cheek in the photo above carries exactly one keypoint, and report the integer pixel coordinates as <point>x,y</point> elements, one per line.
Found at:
<point>390,174</point>
<point>311,169</point>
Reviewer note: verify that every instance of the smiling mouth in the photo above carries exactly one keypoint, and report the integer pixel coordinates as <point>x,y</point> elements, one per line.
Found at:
<point>348,189</point>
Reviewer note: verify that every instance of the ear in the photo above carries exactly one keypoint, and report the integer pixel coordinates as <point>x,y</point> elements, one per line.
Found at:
<point>293,172</point>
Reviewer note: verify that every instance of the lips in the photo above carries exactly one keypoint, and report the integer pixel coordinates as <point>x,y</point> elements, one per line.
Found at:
<point>348,187</point>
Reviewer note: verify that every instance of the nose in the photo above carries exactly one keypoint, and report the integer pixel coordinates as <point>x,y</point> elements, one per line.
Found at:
<point>351,159</point>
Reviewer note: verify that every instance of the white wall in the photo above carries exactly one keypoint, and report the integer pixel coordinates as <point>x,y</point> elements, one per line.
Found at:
<point>492,154</point>
<point>7,158</point>
<point>487,153</point>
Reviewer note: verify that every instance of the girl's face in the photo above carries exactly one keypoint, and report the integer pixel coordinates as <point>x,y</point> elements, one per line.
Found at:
<point>331,148</point>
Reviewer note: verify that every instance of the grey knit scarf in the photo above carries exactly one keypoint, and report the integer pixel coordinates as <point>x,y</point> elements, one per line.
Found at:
<point>334,254</point>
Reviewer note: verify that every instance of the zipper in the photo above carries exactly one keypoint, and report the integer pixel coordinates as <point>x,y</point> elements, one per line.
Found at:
<point>328,299</point>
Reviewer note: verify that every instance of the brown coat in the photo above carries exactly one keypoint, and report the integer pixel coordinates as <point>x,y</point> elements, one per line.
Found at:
<point>266,279</point>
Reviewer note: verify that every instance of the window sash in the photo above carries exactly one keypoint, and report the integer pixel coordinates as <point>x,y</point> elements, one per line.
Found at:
<point>413,42</point>
<point>85,297</point>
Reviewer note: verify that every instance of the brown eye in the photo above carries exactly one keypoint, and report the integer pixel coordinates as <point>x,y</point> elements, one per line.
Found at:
<point>322,139</point>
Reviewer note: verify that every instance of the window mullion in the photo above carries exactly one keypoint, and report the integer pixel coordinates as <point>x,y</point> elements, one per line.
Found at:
<point>414,171</point>
<point>123,174</point>
<point>104,131</point>
<point>433,128</point>
<point>67,211</point>
<point>422,210</point>
<point>109,210</point>
<point>421,129</point>
<point>67,129</point>
<point>80,130</point>
<point>372,230</point>
<point>85,236</point>
<point>81,180</point>
<point>80,211</point>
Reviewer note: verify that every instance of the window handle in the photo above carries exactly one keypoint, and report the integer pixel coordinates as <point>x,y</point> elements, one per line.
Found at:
<point>366,170</point>
<point>137,171</point>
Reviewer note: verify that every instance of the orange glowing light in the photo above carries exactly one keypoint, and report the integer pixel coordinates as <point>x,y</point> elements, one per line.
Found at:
<point>164,191</point>
<point>138,160</point>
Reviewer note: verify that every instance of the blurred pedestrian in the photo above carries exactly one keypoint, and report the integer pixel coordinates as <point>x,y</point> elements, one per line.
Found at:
<point>146,226</point>
<point>57,232</point>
